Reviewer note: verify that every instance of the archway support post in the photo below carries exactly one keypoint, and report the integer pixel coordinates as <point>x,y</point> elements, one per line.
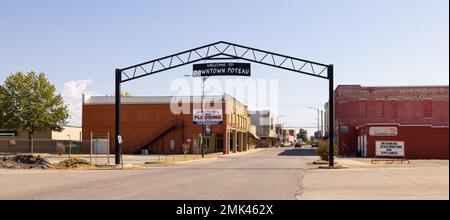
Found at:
<point>331,115</point>
<point>118,147</point>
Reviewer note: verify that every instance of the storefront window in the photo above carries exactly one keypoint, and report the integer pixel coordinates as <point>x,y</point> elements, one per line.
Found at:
<point>343,129</point>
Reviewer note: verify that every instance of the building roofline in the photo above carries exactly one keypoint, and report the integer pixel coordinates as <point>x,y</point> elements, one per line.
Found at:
<point>94,100</point>
<point>392,86</point>
<point>72,126</point>
<point>402,125</point>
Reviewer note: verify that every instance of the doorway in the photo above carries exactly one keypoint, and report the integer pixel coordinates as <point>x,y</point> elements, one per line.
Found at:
<point>219,142</point>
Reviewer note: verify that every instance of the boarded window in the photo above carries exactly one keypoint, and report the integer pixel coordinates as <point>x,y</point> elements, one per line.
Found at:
<point>390,109</point>
<point>375,109</point>
<point>427,108</point>
<point>363,109</point>
<point>349,110</point>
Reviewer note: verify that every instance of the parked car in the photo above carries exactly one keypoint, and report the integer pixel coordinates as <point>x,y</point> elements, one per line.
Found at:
<point>286,144</point>
<point>315,144</point>
<point>298,144</point>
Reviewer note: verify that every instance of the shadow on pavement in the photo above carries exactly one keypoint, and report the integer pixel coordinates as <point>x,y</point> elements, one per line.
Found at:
<point>298,152</point>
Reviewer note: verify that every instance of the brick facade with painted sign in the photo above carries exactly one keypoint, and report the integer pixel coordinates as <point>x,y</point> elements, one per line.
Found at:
<point>150,123</point>
<point>417,115</point>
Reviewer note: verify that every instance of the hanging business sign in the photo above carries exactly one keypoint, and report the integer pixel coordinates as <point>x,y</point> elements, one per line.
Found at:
<point>208,130</point>
<point>212,116</point>
<point>221,69</point>
<point>390,148</point>
<point>383,131</point>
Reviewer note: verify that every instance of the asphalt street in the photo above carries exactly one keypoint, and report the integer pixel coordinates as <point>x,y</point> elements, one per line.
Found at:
<point>274,173</point>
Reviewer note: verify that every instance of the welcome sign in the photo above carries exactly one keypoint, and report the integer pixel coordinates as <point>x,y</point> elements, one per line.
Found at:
<point>221,69</point>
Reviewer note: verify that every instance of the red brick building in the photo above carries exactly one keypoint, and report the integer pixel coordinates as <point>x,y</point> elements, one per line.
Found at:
<point>155,123</point>
<point>414,116</point>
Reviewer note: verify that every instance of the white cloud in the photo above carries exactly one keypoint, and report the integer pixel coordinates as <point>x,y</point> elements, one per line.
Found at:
<point>72,95</point>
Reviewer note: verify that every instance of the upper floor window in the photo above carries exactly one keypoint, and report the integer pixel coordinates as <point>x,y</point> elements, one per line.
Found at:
<point>343,129</point>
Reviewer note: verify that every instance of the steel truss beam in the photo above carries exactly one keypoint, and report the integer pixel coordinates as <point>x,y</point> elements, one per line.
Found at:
<point>225,50</point>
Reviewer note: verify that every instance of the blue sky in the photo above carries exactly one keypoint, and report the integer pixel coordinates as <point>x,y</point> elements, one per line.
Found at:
<point>79,43</point>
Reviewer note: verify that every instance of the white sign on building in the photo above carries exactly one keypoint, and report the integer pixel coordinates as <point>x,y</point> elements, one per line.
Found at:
<point>390,148</point>
<point>383,131</point>
<point>212,116</point>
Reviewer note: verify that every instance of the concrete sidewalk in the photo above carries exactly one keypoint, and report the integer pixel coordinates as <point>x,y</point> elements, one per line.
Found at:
<point>421,179</point>
<point>142,160</point>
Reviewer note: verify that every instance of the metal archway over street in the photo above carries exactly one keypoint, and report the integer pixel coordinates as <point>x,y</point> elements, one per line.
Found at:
<point>224,50</point>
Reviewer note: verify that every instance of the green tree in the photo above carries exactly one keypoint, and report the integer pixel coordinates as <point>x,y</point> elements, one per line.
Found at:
<point>3,106</point>
<point>124,94</point>
<point>303,135</point>
<point>29,101</point>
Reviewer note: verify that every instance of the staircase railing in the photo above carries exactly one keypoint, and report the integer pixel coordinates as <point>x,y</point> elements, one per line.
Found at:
<point>161,132</point>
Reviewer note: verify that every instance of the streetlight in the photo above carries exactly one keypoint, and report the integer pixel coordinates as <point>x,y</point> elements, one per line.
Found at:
<point>278,123</point>
<point>204,78</point>
<point>279,116</point>
<point>70,145</point>
<point>318,118</point>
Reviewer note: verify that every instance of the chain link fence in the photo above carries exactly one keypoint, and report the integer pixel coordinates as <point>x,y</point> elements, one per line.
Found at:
<point>99,148</point>
<point>23,146</point>
<point>95,149</point>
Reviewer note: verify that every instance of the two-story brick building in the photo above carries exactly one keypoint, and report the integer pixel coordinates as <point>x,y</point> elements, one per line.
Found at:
<point>157,122</point>
<point>415,116</point>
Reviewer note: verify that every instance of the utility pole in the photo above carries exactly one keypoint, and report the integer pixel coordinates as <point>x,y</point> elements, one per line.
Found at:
<point>202,138</point>
<point>318,124</point>
<point>318,119</point>
<point>321,123</point>
<point>280,130</point>
<point>203,117</point>
<point>70,145</point>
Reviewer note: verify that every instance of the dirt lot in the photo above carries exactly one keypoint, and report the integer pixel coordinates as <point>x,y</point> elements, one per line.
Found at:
<point>39,162</point>
<point>24,162</point>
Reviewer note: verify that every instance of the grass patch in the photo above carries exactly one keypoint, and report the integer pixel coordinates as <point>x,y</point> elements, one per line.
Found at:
<point>332,168</point>
<point>322,162</point>
<point>78,167</point>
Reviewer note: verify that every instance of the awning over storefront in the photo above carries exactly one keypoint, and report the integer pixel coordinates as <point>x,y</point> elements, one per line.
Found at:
<point>254,136</point>
<point>268,137</point>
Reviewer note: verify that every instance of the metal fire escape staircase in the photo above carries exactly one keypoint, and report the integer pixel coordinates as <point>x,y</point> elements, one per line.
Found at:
<point>164,129</point>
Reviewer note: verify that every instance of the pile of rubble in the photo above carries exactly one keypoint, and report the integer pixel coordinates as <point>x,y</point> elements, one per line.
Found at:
<point>24,162</point>
<point>73,163</point>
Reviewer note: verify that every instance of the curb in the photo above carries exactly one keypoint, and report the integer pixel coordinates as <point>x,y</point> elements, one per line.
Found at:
<point>244,152</point>
<point>185,161</point>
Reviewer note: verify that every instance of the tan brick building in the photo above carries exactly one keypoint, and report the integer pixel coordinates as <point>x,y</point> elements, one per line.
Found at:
<point>45,141</point>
